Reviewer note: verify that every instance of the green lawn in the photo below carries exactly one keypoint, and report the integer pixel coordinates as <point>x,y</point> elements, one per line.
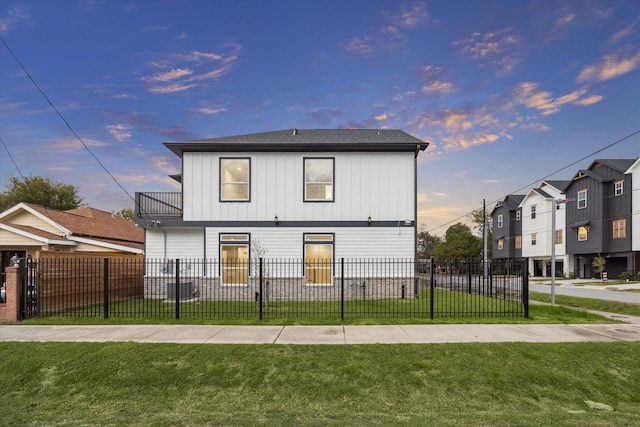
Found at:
<point>537,314</point>
<point>479,384</point>
<point>589,303</point>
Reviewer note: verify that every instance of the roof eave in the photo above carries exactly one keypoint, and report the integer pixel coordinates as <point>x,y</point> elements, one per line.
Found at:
<point>179,148</point>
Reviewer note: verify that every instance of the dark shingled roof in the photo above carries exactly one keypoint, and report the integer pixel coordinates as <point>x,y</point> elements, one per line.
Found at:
<point>386,140</point>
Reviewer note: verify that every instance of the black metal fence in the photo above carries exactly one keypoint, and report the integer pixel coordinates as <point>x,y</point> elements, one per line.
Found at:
<point>274,288</point>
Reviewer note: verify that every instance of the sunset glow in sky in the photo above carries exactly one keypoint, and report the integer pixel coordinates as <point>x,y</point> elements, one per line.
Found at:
<point>506,92</point>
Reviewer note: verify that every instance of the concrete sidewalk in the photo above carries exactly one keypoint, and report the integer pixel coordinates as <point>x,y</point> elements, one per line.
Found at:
<point>309,335</point>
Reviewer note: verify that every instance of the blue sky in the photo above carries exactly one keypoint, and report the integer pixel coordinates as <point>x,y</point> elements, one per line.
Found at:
<point>506,92</point>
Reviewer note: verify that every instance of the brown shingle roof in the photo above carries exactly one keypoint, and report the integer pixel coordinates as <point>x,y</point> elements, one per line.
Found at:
<point>94,223</point>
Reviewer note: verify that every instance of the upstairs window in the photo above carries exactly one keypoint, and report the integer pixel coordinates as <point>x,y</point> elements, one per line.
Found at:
<point>582,199</point>
<point>500,220</point>
<point>234,179</point>
<point>534,239</point>
<point>518,215</point>
<point>618,188</point>
<point>318,179</point>
<point>559,234</point>
<point>620,229</point>
<point>533,211</point>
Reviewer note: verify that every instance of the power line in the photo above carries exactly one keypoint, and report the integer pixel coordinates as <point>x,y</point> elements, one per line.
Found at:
<point>12,159</point>
<point>543,178</point>
<point>64,120</point>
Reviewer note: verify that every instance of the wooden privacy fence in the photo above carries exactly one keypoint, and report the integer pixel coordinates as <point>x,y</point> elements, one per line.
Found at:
<point>58,283</point>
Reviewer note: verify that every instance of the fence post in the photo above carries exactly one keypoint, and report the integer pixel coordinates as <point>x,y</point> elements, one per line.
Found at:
<point>491,279</point>
<point>106,288</point>
<point>433,283</point>
<point>525,287</point>
<point>260,292</point>
<point>10,310</point>
<point>342,288</point>
<point>177,284</point>
<point>469,275</point>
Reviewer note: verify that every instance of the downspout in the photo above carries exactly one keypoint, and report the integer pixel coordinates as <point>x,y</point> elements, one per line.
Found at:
<point>164,243</point>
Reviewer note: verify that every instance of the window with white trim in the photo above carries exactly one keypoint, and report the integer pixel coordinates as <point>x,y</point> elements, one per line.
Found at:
<point>533,211</point>
<point>534,239</point>
<point>618,188</point>
<point>500,220</point>
<point>318,179</point>
<point>582,199</point>
<point>518,215</point>
<point>500,244</point>
<point>583,233</point>
<point>234,179</point>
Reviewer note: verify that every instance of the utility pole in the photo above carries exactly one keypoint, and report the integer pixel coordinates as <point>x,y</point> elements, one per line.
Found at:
<point>484,236</point>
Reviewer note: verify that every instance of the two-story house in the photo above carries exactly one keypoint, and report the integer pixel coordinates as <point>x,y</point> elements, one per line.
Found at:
<point>507,228</point>
<point>297,193</point>
<point>537,227</point>
<point>599,221</point>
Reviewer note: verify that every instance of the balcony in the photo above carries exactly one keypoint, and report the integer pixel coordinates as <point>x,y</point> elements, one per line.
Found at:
<point>158,205</point>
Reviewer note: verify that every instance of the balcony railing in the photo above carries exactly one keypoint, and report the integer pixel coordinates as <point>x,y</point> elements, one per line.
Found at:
<point>158,205</point>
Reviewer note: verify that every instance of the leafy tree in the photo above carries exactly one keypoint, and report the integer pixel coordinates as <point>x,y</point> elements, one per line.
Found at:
<point>598,264</point>
<point>39,191</point>
<point>459,244</point>
<point>127,213</point>
<point>426,242</point>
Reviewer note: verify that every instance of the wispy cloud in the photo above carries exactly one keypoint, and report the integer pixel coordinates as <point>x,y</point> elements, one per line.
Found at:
<point>15,16</point>
<point>390,34</point>
<point>209,110</point>
<point>622,34</point>
<point>73,145</point>
<point>438,87</point>
<point>186,71</point>
<point>168,75</point>
<point>593,99</point>
<point>120,132</point>
<point>565,20</point>
<point>495,49</point>
<point>411,15</point>
<point>528,94</point>
<point>610,67</point>
<point>360,46</point>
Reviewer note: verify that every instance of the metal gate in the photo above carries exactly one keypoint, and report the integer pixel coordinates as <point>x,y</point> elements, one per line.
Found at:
<point>28,289</point>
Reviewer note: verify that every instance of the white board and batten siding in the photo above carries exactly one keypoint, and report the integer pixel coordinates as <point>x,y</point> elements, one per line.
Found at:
<point>180,243</point>
<point>376,185</point>
<point>282,243</point>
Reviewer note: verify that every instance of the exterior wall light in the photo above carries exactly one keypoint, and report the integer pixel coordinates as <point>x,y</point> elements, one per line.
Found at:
<point>275,219</point>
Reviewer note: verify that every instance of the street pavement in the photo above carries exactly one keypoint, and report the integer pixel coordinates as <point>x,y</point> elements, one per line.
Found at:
<point>586,288</point>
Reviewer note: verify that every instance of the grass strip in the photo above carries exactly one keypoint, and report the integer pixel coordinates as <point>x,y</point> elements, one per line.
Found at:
<point>589,303</point>
<point>477,384</point>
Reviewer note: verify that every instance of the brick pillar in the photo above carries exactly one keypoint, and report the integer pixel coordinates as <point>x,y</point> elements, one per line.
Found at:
<point>9,310</point>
